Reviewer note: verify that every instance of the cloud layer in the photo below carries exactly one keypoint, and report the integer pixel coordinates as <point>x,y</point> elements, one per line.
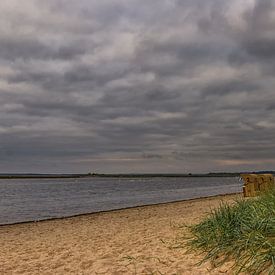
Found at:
<point>137,86</point>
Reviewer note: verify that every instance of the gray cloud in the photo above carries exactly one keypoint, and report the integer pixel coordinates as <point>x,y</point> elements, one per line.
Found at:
<point>131,86</point>
<point>259,39</point>
<point>34,49</point>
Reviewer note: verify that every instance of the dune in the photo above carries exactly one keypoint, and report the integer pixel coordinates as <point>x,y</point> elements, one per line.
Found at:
<point>140,240</point>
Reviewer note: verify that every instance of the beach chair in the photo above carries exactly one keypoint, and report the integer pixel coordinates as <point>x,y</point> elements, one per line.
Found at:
<point>269,181</point>
<point>250,186</point>
<point>256,183</point>
<point>263,182</point>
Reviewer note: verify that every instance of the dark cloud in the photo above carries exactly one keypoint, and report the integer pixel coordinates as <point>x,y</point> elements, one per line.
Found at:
<point>131,86</point>
<point>230,86</point>
<point>13,48</point>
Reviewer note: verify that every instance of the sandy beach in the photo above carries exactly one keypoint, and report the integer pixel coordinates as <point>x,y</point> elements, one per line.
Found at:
<point>141,240</point>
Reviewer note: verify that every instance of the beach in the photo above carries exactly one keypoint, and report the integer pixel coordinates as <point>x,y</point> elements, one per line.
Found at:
<point>140,240</point>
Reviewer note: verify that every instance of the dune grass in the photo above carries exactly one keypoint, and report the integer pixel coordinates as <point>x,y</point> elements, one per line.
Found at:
<point>243,232</point>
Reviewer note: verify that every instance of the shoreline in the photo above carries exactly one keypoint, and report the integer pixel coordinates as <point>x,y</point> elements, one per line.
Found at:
<point>117,209</point>
<point>140,240</point>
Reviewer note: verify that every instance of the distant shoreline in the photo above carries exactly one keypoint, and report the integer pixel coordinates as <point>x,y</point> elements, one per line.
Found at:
<point>93,175</point>
<point>121,175</point>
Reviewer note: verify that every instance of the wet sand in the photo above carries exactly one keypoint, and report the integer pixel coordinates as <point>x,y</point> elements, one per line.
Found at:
<point>139,240</point>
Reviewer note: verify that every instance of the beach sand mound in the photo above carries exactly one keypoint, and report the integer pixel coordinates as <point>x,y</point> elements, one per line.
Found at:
<point>139,240</point>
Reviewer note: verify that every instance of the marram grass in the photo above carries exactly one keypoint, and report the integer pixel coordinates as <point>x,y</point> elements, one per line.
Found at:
<point>243,232</point>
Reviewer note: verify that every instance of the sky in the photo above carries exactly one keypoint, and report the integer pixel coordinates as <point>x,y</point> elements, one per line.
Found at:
<point>137,86</point>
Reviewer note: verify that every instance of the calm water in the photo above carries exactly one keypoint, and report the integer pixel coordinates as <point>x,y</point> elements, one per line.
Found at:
<point>38,199</point>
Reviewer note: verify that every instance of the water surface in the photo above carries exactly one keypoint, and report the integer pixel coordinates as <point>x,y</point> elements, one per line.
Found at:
<point>37,199</point>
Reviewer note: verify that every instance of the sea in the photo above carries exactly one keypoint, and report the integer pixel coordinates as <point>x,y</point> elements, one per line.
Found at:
<point>23,200</point>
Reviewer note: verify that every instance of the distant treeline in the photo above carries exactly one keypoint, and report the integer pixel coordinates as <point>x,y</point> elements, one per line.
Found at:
<point>166,175</point>
<point>211,174</point>
<point>34,176</point>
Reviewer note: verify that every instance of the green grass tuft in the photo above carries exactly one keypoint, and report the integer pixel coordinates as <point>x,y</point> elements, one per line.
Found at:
<point>244,232</point>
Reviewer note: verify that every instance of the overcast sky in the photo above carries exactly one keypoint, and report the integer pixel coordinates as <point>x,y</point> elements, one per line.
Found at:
<point>137,85</point>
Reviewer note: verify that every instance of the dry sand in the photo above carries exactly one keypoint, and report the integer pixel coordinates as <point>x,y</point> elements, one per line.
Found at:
<point>130,241</point>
